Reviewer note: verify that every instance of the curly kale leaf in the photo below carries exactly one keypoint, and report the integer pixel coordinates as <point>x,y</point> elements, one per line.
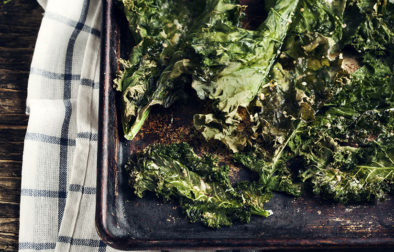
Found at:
<point>154,72</point>
<point>201,186</point>
<point>235,64</point>
<point>348,150</point>
<point>316,24</point>
<point>369,26</point>
<point>165,58</point>
<point>236,61</point>
<point>346,173</point>
<point>271,176</point>
<point>344,143</point>
<point>305,77</point>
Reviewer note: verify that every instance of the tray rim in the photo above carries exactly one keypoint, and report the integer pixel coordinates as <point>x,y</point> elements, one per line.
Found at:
<point>101,219</point>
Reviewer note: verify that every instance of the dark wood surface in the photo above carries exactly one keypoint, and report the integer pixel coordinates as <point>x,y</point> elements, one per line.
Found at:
<point>19,24</point>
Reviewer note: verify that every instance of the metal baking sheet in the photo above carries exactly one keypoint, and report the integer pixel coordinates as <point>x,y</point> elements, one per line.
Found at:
<point>126,222</point>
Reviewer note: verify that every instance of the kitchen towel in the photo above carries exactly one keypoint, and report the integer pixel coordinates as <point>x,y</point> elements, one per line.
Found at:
<point>59,159</point>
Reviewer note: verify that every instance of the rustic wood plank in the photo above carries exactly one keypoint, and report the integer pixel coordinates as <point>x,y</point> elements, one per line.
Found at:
<point>15,58</point>
<point>10,190</point>
<point>10,168</point>
<point>8,241</point>
<point>13,127</point>
<point>9,210</point>
<point>13,102</point>
<point>9,225</point>
<point>19,24</point>
<point>13,119</point>
<point>16,39</point>
<point>13,79</point>
<point>13,151</point>
<point>12,135</point>
<point>20,17</point>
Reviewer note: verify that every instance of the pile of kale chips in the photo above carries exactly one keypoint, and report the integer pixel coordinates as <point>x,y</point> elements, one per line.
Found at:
<point>285,99</point>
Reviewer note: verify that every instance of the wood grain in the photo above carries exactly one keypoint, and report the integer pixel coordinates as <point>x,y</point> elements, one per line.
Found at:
<point>10,168</point>
<point>10,190</point>
<point>19,24</point>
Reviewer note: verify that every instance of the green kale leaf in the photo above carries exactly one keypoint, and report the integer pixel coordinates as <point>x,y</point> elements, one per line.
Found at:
<point>154,73</point>
<point>348,150</point>
<point>235,65</point>
<point>200,185</point>
<point>369,26</point>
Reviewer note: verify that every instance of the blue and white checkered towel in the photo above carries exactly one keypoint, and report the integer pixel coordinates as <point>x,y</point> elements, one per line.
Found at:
<point>59,159</point>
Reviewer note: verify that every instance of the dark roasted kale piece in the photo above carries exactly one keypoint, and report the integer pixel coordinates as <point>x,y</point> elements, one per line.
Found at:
<point>349,149</point>
<point>199,184</point>
<point>154,73</point>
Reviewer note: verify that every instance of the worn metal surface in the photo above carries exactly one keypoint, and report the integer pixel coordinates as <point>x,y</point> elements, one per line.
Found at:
<point>125,222</point>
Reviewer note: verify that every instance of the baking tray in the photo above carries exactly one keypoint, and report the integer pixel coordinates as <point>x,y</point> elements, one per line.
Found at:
<point>125,222</point>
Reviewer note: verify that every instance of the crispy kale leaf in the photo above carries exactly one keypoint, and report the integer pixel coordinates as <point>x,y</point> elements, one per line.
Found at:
<point>236,63</point>
<point>306,76</point>
<point>332,127</point>
<point>343,145</point>
<point>273,176</point>
<point>154,73</point>
<point>369,26</point>
<point>202,40</point>
<point>164,61</point>
<point>201,186</point>
<point>349,149</point>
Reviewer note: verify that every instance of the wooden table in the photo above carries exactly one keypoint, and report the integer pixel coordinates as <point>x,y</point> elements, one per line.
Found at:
<point>19,24</point>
